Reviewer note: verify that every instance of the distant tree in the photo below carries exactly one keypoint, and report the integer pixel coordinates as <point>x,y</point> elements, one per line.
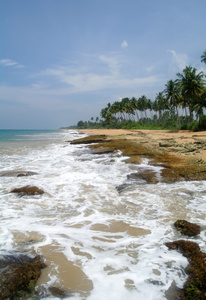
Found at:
<point>80,124</point>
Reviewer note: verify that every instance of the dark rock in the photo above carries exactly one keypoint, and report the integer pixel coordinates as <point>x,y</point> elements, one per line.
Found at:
<point>16,173</point>
<point>57,292</point>
<point>166,144</point>
<point>187,228</point>
<point>170,175</point>
<point>155,282</point>
<point>120,188</point>
<point>89,140</point>
<point>149,176</point>
<point>195,286</point>
<point>18,274</point>
<point>100,151</point>
<point>28,190</point>
<point>133,176</point>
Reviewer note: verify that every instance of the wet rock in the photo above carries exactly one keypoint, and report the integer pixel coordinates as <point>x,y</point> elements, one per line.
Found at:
<point>169,175</point>
<point>195,286</point>
<point>28,190</point>
<point>122,187</point>
<point>16,173</point>
<point>102,151</point>
<point>57,292</point>
<point>18,274</point>
<point>187,228</point>
<point>155,282</point>
<point>172,292</point>
<point>89,140</point>
<point>149,176</point>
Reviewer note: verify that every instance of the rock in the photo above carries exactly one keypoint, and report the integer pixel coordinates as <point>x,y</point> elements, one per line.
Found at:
<point>167,144</point>
<point>28,190</point>
<point>170,175</point>
<point>89,140</point>
<point>189,148</point>
<point>18,275</point>
<point>57,292</point>
<point>16,173</point>
<point>187,228</point>
<point>102,151</point>
<point>195,286</point>
<point>172,292</point>
<point>120,188</point>
<point>149,176</point>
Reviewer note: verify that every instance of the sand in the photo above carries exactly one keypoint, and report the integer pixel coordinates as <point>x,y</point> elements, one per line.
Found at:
<point>181,137</point>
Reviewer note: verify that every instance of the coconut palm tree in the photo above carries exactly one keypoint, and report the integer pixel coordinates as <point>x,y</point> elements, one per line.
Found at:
<point>160,102</point>
<point>135,106</point>
<point>203,57</point>
<point>192,86</point>
<point>172,93</point>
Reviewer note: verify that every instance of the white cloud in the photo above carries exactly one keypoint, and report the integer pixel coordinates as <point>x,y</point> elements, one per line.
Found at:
<point>94,76</point>
<point>10,63</point>
<point>149,69</point>
<point>111,62</point>
<point>179,59</point>
<point>124,44</point>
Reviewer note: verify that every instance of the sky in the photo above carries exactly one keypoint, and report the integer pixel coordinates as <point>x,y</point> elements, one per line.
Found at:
<point>62,61</point>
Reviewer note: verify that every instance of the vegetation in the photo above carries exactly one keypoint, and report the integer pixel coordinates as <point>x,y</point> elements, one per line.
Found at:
<point>181,105</point>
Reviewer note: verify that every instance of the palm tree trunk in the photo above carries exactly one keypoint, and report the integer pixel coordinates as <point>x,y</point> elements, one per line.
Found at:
<point>178,119</point>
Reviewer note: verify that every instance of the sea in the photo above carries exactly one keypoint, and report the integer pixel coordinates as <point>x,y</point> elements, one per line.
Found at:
<point>101,233</point>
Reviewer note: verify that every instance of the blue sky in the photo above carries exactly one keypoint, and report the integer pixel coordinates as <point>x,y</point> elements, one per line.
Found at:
<point>62,61</point>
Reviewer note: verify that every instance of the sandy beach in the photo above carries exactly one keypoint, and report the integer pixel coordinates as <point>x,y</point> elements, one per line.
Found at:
<point>181,138</point>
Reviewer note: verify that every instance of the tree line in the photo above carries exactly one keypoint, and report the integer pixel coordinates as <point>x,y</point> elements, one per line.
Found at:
<point>181,105</point>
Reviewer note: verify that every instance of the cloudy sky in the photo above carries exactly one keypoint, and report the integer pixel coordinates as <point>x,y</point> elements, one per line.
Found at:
<point>62,61</point>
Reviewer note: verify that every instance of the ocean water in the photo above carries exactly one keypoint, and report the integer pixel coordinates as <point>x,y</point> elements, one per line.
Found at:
<point>98,242</point>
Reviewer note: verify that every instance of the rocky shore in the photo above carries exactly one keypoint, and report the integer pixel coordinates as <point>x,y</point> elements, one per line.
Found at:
<point>182,154</point>
<point>183,157</point>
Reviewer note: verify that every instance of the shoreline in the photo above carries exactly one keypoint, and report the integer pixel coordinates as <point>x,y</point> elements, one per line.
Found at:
<point>180,137</point>
<point>182,154</point>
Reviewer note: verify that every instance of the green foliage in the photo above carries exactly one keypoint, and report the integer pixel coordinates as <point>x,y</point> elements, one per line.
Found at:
<point>202,123</point>
<point>31,287</point>
<point>187,92</point>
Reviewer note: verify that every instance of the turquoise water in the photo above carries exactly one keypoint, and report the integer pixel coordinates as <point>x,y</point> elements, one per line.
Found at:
<point>20,135</point>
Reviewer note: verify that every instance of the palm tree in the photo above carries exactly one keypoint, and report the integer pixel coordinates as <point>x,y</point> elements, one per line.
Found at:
<point>172,93</point>
<point>135,106</point>
<point>155,107</point>
<point>160,102</point>
<point>203,57</point>
<point>192,86</point>
<point>143,104</point>
<point>106,114</point>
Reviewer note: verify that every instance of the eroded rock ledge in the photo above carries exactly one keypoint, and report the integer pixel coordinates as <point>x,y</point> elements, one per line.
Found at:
<point>178,164</point>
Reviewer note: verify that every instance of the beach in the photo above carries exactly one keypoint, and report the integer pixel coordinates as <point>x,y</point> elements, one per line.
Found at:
<point>181,137</point>
<point>106,207</point>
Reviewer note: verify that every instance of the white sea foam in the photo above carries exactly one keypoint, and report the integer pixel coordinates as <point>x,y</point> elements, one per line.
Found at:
<point>116,240</point>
